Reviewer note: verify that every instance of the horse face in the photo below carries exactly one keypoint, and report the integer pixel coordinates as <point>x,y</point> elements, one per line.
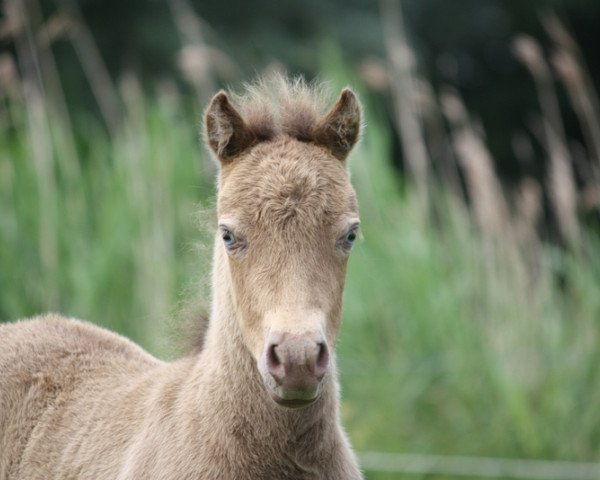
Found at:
<point>287,221</point>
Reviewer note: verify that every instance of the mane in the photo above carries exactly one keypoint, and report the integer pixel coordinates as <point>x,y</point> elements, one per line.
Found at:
<point>279,105</point>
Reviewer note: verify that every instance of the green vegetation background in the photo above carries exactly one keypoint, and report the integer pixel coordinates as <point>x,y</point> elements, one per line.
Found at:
<point>451,344</point>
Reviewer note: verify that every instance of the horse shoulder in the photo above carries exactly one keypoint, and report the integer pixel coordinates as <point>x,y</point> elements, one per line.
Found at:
<point>45,364</point>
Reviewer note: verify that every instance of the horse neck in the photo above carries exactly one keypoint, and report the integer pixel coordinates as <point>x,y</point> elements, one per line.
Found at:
<point>226,369</point>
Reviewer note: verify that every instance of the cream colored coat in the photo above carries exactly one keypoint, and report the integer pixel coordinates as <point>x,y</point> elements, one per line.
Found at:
<point>79,402</point>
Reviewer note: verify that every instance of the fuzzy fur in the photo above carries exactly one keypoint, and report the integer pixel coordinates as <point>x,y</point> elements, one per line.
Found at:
<point>79,402</point>
<point>276,106</point>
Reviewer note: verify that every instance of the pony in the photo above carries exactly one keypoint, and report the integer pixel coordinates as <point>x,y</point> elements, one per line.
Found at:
<point>260,400</point>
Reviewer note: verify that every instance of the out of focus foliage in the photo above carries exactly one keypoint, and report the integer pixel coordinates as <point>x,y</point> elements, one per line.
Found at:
<point>472,314</point>
<point>465,44</point>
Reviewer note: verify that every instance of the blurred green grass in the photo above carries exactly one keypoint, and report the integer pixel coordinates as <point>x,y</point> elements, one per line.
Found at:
<point>447,345</point>
<point>446,348</point>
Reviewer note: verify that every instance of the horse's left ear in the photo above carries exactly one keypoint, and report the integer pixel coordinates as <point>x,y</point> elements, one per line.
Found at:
<point>340,129</point>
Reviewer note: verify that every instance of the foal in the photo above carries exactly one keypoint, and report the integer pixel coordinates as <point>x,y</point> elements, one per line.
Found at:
<point>260,401</point>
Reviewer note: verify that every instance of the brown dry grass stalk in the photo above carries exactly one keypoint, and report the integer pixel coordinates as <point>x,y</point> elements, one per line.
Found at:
<point>37,128</point>
<point>572,71</point>
<point>94,69</point>
<point>443,160</point>
<point>402,83</point>
<point>195,59</point>
<point>489,204</point>
<point>560,179</point>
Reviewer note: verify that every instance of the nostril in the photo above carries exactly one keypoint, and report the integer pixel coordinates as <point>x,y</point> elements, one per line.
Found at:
<point>274,364</point>
<point>322,360</point>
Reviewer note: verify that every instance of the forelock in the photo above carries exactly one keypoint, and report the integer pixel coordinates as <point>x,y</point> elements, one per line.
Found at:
<point>276,105</point>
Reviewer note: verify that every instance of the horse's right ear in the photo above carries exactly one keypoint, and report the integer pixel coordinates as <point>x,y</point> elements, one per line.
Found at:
<point>226,132</point>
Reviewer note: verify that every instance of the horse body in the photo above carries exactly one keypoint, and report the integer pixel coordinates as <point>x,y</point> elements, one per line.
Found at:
<point>79,402</point>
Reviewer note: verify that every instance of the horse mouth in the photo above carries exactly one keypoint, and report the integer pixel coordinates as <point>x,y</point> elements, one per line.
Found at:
<point>293,402</point>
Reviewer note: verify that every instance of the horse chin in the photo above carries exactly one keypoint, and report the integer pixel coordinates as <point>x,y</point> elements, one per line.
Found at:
<point>295,400</point>
<point>292,399</point>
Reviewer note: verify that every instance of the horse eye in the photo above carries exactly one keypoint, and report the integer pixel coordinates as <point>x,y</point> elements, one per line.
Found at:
<point>228,238</point>
<point>350,237</point>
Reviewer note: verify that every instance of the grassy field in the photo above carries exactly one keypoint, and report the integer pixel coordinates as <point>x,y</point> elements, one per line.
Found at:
<point>454,341</point>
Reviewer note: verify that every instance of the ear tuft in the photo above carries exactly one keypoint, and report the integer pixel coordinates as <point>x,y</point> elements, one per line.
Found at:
<point>340,129</point>
<point>226,132</point>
